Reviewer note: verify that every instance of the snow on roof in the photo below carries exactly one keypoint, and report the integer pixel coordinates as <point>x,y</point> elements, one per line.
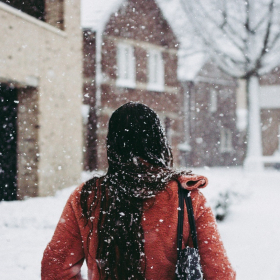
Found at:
<point>191,54</point>
<point>190,66</point>
<point>95,14</point>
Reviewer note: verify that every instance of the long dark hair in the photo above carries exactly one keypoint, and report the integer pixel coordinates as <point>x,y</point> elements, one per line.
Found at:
<point>140,161</point>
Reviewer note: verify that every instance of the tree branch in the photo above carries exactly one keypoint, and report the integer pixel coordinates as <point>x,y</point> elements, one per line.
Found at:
<point>190,12</point>
<point>223,26</point>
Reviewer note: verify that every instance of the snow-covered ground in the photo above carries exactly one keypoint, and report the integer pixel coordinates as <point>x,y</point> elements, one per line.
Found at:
<point>250,231</point>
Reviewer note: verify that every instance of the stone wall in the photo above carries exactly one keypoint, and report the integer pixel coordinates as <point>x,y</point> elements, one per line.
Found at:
<point>38,55</point>
<point>28,142</point>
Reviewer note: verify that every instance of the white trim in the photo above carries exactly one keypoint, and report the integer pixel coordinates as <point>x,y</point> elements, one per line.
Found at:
<point>278,136</point>
<point>26,17</point>
<point>30,81</point>
<point>270,159</point>
<point>241,118</point>
<point>141,86</point>
<point>142,44</point>
<point>155,70</point>
<point>85,113</point>
<point>212,81</point>
<point>90,8</point>
<point>225,140</point>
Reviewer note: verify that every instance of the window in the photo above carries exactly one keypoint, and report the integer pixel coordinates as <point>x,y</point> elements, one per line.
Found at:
<point>213,101</point>
<point>278,138</point>
<point>126,66</point>
<point>155,71</point>
<point>226,140</point>
<point>49,11</point>
<point>168,129</point>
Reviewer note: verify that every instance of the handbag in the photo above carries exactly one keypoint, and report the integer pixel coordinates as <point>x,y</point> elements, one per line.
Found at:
<point>188,265</point>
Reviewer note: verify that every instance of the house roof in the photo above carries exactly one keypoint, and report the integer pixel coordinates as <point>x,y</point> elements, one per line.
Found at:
<point>191,65</point>
<point>95,14</point>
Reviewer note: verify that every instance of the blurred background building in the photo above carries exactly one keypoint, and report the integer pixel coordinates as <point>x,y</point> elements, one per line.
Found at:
<point>40,97</point>
<point>65,69</point>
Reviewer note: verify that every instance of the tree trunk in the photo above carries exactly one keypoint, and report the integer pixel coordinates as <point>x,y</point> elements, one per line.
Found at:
<point>253,160</point>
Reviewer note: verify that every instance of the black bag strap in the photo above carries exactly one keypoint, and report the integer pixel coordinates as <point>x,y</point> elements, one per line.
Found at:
<point>184,195</point>
<point>180,220</point>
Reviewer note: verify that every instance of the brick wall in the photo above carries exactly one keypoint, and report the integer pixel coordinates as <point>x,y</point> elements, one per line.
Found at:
<point>89,98</point>
<point>205,126</point>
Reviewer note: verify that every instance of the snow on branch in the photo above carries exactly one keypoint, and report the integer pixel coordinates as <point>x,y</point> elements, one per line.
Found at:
<point>242,36</point>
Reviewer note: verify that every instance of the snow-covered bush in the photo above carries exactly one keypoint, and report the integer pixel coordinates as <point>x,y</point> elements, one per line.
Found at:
<point>223,203</point>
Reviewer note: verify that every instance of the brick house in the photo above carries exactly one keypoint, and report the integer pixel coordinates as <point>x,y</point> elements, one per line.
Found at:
<point>217,116</point>
<point>213,138</point>
<point>130,54</point>
<point>40,97</point>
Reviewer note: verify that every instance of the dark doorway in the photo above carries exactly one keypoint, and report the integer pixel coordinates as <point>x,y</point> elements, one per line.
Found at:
<point>35,8</point>
<point>8,142</point>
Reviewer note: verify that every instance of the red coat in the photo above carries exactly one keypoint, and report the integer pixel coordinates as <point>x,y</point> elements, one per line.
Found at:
<point>68,248</point>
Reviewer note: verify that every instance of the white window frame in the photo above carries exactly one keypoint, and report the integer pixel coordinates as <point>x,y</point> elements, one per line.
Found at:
<point>126,66</point>
<point>155,70</point>
<point>225,140</point>
<point>213,103</point>
<point>278,136</point>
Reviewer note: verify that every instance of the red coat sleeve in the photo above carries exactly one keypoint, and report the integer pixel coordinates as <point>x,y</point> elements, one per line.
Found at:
<point>64,255</point>
<point>214,260</point>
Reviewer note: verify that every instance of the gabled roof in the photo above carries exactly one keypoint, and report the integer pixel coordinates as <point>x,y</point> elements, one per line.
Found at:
<point>191,57</point>
<point>94,13</point>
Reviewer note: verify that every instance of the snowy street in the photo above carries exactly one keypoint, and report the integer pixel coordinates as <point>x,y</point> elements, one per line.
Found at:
<point>119,84</point>
<point>250,231</point>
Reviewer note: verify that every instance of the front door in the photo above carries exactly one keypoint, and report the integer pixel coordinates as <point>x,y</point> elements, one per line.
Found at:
<point>8,142</point>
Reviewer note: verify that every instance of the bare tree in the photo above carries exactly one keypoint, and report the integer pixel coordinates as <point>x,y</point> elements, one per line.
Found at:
<point>243,37</point>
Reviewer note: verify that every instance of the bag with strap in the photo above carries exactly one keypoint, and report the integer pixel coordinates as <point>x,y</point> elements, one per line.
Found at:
<point>188,265</point>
